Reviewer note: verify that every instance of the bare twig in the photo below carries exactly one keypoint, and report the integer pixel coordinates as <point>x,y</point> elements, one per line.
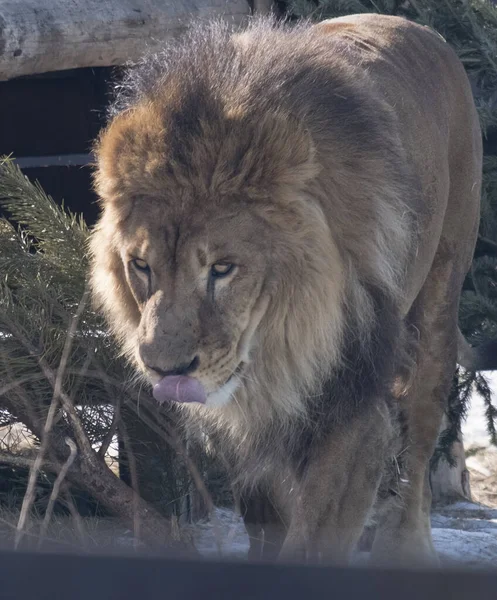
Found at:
<point>115,422</point>
<point>134,481</point>
<point>78,522</point>
<point>56,489</point>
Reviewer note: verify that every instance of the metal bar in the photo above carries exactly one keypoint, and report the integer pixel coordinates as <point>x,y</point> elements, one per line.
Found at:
<point>63,160</point>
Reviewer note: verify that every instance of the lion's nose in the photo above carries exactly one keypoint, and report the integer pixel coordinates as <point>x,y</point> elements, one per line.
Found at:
<point>182,369</point>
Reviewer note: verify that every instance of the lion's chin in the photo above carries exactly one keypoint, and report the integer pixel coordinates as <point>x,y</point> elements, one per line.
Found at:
<point>224,394</point>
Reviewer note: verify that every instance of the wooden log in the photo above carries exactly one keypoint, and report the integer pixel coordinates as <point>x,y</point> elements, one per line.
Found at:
<point>38,36</point>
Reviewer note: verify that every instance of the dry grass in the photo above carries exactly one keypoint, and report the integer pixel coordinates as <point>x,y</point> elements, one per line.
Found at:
<point>65,534</point>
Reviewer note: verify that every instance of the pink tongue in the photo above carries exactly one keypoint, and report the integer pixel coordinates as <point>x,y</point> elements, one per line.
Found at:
<point>179,388</point>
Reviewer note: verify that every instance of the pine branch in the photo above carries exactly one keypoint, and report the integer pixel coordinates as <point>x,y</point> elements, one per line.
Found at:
<point>59,234</point>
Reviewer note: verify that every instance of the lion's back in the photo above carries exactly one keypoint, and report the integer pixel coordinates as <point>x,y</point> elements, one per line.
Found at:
<point>420,78</point>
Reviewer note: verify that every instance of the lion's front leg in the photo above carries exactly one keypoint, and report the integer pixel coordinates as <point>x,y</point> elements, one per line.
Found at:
<point>264,524</point>
<point>330,505</point>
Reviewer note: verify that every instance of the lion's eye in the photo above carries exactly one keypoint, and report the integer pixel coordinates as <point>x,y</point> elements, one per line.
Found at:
<point>140,265</point>
<point>221,269</point>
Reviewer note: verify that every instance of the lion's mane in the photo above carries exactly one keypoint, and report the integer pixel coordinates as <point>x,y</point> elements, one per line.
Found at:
<point>251,115</point>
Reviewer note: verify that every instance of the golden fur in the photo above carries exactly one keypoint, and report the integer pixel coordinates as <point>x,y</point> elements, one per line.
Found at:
<point>338,167</point>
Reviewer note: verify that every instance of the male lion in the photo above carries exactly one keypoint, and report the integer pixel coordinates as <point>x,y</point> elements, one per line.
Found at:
<point>288,217</point>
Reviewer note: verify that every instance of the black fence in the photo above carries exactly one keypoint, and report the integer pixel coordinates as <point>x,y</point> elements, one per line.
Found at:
<point>76,577</point>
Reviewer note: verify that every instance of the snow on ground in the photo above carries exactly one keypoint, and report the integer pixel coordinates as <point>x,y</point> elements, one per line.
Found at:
<point>223,535</point>
<point>464,534</point>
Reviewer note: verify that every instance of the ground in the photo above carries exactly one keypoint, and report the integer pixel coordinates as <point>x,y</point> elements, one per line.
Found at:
<point>464,534</point>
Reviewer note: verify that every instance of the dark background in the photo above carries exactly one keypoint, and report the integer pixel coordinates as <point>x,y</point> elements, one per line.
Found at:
<point>52,120</point>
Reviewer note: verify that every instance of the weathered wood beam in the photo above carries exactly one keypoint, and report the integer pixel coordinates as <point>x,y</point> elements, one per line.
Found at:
<point>39,36</point>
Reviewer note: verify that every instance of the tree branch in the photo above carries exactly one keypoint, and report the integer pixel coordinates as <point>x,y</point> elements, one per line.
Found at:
<point>25,462</point>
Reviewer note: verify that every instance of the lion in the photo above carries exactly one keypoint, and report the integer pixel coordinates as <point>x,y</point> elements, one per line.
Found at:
<point>288,214</point>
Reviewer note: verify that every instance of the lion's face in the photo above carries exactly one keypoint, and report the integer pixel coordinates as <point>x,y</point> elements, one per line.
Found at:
<point>200,283</point>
